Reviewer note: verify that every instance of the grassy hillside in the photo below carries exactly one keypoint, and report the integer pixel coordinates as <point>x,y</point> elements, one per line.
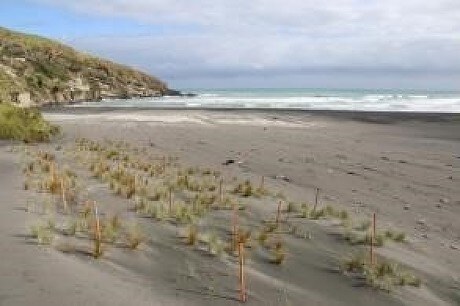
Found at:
<point>36,71</point>
<point>24,124</point>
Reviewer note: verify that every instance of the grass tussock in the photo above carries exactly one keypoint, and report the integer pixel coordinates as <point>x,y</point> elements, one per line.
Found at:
<point>134,236</point>
<point>44,233</point>
<point>244,236</point>
<point>215,245</point>
<point>292,207</point>
<point>278,253</point>
<point>326,212</point>
<point>244,189</point>
<point>363,226</point>
<point>110,232</point>
<point>382,275</point>
<point>262,238</point>
<point>359,238</point>
<point>24,124</point>
<point>191,235</point>
<point>395,236</point>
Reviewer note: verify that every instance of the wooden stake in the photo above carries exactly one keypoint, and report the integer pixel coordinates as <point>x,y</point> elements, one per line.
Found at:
<point>164,164</point>
<point>243,295</point>
<point>234,226</point>
<point>64,200</point>
<point>170,200</point>
<point>372,240</point>
<point>262,183</point>
<point>278,214</point>
<point>97,240</point>
<point>221,198</point>
<point>316,199</point>
<point>52,170</point>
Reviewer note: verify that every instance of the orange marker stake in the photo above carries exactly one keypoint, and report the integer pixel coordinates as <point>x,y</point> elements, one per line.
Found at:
<point>170,201</point>
<point>316,199</point>
<point>373,240</point>
<point>221,198</point>
<point>243,295</point>
<point>97,240</point>
<point>64,200</point>
<point>278,214</point>
<point>234,226</point>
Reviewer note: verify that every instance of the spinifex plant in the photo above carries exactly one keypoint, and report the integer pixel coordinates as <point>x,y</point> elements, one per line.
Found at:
<point>43,233</point>
<point>279,253</point>
<point>383,275</point>
<point>191,235</point>
<point>244,189</point>
<point>135,236</point>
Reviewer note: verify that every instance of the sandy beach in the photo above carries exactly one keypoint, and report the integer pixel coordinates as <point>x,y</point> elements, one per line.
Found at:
<point>403,167</point>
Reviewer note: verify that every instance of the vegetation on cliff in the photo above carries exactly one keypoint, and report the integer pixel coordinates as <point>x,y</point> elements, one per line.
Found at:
<point>25,124</point>
<point>37,71</point>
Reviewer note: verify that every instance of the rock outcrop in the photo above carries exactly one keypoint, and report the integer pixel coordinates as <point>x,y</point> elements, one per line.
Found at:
<point>36,71</point>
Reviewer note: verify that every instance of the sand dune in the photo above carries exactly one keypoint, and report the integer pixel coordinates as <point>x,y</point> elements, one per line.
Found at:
<point>407,172</point>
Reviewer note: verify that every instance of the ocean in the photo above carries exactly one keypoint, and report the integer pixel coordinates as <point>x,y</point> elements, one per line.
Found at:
<point>300,99</point>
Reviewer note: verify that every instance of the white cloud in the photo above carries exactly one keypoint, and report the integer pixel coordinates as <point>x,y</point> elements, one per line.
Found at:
<point>248,37</point>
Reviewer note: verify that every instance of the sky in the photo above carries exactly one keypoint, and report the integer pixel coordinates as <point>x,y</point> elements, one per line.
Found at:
<point>410,44</point>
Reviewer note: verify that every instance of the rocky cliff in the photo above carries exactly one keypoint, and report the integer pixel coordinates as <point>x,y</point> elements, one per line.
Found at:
<point>38,71</point>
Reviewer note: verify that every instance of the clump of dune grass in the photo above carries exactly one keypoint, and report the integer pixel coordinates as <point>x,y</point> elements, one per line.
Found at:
<point>158,211</point>
<point>30,167</point>
<point>395,236</point>
<point>292,207</point>
<point>363,226</point>
<point>157,194</point>
<point>355,263</point>
<point>317,214</point>
<point>112,154</point>
<point>134,236</point>
<point>343,214</point>
<point>407,278</point>
<point>214,243</point>
<point>24,124</point>
<point>26,184</point>
<point>183,213</point>
<point>270,227</point>
<point>140,205</point>
<point>244,236</point>
<point>115,221</point>
<point>70,228</point>
<point>204,199</point>
<point>262,238</point>
<point>110,232</point>
<point>191,235</point>
<point>326,212</point>
<point>359,238</point>
<point>382,275</point>
<point>304,210</point>
<point>43,233</point>
<point>278,253</point>
<point>244,189</point>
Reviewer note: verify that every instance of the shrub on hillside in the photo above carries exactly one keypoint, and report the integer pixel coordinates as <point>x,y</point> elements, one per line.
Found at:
<point>24,124</point>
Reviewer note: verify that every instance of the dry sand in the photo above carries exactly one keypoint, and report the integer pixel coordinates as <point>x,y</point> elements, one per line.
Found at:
<point>405,168</point>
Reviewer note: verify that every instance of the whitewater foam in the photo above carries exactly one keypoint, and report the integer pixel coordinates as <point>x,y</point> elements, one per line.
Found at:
<point>300,100</point>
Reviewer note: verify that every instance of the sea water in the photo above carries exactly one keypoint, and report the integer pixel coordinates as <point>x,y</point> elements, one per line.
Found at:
<point>300,99</point>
